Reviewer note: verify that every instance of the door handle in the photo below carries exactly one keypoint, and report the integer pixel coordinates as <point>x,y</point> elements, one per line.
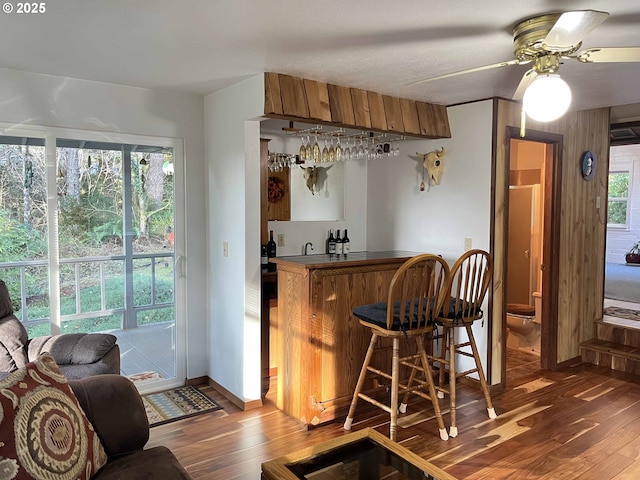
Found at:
<point>179,266</point>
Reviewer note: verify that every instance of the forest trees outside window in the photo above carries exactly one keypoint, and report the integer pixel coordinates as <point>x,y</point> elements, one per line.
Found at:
<point>113,234</point>
<point>618,200</point>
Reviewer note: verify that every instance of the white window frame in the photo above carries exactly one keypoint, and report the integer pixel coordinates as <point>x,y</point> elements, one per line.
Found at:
<point>626,200</point>
<point>50,134</point>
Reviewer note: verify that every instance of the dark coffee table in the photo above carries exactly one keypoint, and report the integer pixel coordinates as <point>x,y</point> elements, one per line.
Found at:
<point>363,455</point>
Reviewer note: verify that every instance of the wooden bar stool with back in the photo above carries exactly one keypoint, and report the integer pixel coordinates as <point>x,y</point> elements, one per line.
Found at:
<point>469,282</point>
<point>416,295</point>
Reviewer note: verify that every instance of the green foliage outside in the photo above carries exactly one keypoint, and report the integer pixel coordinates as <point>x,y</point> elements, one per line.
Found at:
<point>618,189</point>
<point>90,301</point>
<point>617,213</point>
<point>90,224</point>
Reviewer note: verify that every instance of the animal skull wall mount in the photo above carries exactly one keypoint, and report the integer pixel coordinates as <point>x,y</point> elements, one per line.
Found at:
<point>311,175</point>
<point>433,162</point>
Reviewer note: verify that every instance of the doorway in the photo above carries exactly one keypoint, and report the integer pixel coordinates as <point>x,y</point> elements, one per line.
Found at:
<point>531,253</point>
<point>524,257</point>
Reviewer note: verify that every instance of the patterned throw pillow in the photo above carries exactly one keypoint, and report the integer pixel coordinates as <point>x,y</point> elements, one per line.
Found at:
<point>44,433</point>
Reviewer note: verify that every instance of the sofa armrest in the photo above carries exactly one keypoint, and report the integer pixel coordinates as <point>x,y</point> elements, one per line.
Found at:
<point>72,348</point>
<point>115,409</point>
<point>110,363</point>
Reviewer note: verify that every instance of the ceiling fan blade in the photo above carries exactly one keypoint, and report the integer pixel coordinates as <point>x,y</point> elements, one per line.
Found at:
<point>609,55</point>
<point>470,70</point>
<point>527,79</point>
<point>572,27</point>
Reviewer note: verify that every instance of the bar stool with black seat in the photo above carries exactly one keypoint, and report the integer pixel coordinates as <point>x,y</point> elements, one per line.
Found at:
<point>416,294</point>
<point>469,282</point>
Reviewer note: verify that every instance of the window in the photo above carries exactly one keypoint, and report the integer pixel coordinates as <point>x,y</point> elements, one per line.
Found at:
<point>618,201</point>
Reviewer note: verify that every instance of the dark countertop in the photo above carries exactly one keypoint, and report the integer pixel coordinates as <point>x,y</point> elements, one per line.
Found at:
<point>352,259</point>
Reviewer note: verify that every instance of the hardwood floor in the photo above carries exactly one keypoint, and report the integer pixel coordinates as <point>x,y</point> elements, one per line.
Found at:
<point>582,422</point>
<point>520,364</point>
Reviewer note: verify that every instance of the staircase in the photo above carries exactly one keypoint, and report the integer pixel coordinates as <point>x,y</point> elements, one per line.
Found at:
<point>615,346</point>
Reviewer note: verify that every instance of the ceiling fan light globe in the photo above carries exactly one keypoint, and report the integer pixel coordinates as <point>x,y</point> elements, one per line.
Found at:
<point>547,98</point>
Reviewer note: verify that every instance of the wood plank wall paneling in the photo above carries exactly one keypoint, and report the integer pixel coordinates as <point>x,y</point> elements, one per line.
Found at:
<point>582,226</point>
<point>318,100</point>
<point>376,108</point>
<point>280,210</point>
<point>361,113</point>
<point>409,112</point>
<point>340,105</point>
<point>306,100</point>
<point>294,97</point>
<point>393,113</point>
<point>435,119</point>
<point>272,97</point>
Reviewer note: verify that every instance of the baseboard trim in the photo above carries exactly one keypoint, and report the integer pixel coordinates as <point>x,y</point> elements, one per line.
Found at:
<point>572,362</point>
<point>197,381</point>
<point>238,402</point>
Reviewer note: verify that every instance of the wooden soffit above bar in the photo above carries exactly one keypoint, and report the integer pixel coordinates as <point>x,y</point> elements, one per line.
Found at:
<point>304,100</point>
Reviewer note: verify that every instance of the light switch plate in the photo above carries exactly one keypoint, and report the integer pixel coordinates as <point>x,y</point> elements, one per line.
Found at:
<point>281,239</point>
<point>225,249</point>
<point>467,244</point>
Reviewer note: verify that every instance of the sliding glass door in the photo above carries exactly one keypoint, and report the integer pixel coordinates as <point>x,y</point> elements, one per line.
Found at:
<point>104,259</point>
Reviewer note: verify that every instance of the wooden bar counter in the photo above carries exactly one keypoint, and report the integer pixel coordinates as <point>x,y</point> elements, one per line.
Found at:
<point>321,345</point>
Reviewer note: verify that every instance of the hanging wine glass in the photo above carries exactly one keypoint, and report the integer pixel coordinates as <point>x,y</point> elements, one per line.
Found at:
<point>396,148</point>
<point>361,151</point>
<point>303,150</point>
<point>332,151</point>
<point>346,154</point>
<point>339,154</point>
<point>325,151</point>
<point>316,150</point>
<point>309,152</point>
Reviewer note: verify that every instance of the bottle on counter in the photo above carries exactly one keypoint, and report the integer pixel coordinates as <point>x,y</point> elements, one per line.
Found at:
<point>271,246</point>
<point>346,243</point>
<point>331,243</point>
<point>339,244</point>
<point>264,258</point>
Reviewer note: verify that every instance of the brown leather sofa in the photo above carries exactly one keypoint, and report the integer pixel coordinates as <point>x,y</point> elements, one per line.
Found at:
<point>115,409</point>
<point>77,354</point>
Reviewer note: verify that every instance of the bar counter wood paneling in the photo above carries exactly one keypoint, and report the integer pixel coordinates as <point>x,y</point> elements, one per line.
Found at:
<point>321,345</point>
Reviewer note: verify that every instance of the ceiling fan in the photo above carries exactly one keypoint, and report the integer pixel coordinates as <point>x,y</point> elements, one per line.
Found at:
<point>545,41</point>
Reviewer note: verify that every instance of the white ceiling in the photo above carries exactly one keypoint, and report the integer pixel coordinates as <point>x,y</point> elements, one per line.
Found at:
<point>201,46</point>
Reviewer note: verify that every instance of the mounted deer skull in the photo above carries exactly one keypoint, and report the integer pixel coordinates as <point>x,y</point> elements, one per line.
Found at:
<point>310,175</point>
<point>434,164</point>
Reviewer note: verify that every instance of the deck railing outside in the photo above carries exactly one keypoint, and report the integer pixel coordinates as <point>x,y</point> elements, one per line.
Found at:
<point>98,271</point>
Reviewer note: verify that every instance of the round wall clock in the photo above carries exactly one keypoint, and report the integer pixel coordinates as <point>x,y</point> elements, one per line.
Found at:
<point>588,165</point>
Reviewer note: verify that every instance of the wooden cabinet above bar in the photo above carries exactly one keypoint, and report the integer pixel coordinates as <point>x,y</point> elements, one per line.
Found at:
<point>294,98</point>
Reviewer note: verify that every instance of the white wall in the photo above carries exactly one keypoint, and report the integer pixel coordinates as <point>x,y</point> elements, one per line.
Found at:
<point>437,220</point>
<point>619,240</point>
<point>46,100</point>
<point>232,146</point>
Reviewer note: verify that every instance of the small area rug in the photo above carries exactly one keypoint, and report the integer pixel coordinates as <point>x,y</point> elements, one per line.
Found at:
<point>176,404</point>
<point>620,312</point>
<point>144,377</point>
